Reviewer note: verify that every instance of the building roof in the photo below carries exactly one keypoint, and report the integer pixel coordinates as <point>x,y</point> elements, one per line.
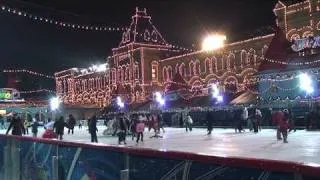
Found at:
<point>277,54</point>
<point>177,83</point>
<point>141,30</point>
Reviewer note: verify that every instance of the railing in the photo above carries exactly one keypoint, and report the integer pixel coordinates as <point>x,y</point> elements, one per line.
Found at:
<point>24,158</point>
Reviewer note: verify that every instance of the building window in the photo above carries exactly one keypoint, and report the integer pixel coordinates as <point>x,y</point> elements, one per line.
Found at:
<point>154,72</point>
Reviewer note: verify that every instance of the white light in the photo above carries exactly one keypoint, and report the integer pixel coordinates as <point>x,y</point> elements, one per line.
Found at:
<point>213,42</point>
<point>159,98</point>
<point>215,90</point>
<point>54,103</point>
<point>119,102</point>
<point>101,68</point>
<point>219,98</point>
<point>305,83</point>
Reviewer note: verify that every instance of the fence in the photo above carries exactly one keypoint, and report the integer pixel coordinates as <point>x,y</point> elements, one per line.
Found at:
<point>24,158</point>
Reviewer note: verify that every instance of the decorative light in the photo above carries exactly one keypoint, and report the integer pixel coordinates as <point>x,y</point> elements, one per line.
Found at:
<point>54,103</point>
<point>305,83</point>
<point>213,42</point>
<point>159,98</point>
<point>119,102</point>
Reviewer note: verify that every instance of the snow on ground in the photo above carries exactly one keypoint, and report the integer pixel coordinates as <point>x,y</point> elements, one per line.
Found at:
<point>303,146</point>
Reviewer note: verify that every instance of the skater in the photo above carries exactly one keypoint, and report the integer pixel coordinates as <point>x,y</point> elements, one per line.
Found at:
<point>259,118</point>
<point>26,125</point>
<point>80,124</point>
<point>93,129</point>
<point>16,125</point>
<point>285,125</point>
<point>34,128</point>
<point>140,130</point>
<point>133,125</point>
<point>2,126</point>
<point>189,123</point>
<point>245,117</point>
<point>71,123</point>
<point>122,129</point>
<point>160,122</point>
<point>292,125</point>
<point>209,122</point>
<point>58,127</point>
<point>277,118</point>
<point>239,118</point>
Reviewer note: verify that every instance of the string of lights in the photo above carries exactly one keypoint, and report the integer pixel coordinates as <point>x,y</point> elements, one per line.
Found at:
<point>37,91</point>
<point>27,71</point>
<point>47,20</point>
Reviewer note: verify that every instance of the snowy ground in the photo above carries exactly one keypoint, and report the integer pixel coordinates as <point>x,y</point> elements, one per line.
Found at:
<point>303,146</point>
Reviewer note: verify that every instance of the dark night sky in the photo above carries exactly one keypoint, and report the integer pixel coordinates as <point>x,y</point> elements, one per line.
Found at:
<point>47,48</point>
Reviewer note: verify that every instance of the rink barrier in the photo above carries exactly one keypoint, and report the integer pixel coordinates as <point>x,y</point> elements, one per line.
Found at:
<point>265,164</point>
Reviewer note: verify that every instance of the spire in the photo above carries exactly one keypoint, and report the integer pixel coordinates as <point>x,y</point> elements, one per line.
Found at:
<point>277,51</point>
<point>141,30</point>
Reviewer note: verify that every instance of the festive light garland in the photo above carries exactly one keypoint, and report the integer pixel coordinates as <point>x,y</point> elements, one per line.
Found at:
<point>59,23</point>
<point>27,71</point>
<point>37,91</point>
<point>74,25</point>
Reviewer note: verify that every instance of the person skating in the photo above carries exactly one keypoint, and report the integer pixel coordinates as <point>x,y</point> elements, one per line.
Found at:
<point>245,117</point>
<point>58,127</point>
<point>140,129</point>
<point>209,122</point>
<point>16,125</point>
<point>188,122</point>
<point>26,125</point>
<point>277,118</point>
<point>284,126</point>
<point>160,122</point>
<point>80,124</point>
<point>133,124</point>
<point>34,128</point>
<point>239,118</point>
<point>122,129</point>
<point>259,118</point>
<point>93,129</point>
<point>2,126</point>
<point>71,123</point>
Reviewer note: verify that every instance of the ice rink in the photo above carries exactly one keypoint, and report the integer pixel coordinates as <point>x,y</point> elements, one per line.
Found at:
<point>303,146</point>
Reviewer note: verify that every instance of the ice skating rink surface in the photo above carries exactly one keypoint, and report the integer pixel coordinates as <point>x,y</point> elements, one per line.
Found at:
<point>303,146</point>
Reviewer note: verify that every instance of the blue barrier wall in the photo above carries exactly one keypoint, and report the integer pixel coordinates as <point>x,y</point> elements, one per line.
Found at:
<point>51,160</point>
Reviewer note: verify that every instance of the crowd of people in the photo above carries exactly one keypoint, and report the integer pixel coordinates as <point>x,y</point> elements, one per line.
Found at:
<point>123,125</point>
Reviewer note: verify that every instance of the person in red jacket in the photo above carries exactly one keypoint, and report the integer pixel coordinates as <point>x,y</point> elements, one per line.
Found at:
<point>284,125</point>
<point>277,118</point>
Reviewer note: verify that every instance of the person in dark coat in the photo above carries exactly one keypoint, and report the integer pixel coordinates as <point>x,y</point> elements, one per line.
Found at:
<point>122,129</point>
<point>16,125</point>
<point>93,129</point>
<point>34,128</point>
<point>209,122</point>
<point>71,123</point>
<point>58,127</point>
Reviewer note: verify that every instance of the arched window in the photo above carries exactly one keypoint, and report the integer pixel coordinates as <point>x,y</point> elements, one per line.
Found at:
<point>169,70</point>
<point>244,57</point>
<point>182,70</point>
<point>214,64</point>
<point>208,66</point>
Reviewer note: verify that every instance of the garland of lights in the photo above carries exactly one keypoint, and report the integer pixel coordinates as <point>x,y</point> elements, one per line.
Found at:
<point>64,24</point>
<point>37,91</point>
<point>27,71</point>
<point>60,23</point>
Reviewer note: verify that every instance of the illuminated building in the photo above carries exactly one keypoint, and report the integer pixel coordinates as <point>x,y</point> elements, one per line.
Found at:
<point>145,62</point>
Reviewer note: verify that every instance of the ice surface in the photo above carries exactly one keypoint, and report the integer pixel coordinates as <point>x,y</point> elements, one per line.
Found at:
<point>303,146</point>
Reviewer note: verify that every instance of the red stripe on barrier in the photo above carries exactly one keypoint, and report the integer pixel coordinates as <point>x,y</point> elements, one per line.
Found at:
<point>266,164</point>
